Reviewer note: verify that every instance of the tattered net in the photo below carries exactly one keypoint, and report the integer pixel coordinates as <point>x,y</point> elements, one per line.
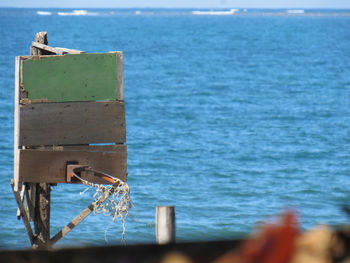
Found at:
<point>110,200</point>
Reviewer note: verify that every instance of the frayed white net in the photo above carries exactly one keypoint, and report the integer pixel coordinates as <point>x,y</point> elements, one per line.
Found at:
<point>111,200</point>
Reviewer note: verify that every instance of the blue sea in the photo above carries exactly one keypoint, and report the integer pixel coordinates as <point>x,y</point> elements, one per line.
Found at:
<point>230,118</point>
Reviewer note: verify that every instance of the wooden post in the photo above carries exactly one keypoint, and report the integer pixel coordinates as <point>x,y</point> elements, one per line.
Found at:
<point>165,224</point>
<point>42,191</point>
<point>41,38</point>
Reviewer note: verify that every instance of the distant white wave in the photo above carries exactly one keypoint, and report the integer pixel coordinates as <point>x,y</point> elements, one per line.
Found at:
<point>296,11</point>
<point>77,13</point>
<point>137,12</point>
<point>220,13</point>
<point>44,13</point>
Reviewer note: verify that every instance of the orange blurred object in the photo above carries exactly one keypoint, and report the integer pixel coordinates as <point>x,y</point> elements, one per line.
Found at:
<point>273,243</point>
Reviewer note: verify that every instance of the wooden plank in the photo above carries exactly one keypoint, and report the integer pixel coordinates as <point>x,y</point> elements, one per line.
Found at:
<point>16,126</point>
<point>43,48</point>
<point>62,51</point>
<point>80,77</point>
<point>30,200</point>
<point>56,50</point>
<point>72,123</point>
<point>22,198</point>
<point>49,166</point>
<point>23,213</point>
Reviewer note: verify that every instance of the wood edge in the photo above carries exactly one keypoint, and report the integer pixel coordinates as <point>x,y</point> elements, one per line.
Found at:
<point>42,101</point>
<point>120,74</point>
<point>26,57</point>
<point>63,51</point>
<point>81,148</point>
<point>38,57</point>
<point>16,124</point>
<point>116,52</point>
<point>46,101</point>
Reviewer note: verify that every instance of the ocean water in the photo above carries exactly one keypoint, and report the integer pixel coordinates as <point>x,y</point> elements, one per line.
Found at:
<point>229,118</point>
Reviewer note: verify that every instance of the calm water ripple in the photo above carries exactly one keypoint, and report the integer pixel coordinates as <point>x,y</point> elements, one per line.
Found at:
<point>230,119</point>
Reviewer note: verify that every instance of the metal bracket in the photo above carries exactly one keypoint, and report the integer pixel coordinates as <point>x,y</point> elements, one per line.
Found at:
<point>77,169</point>
<point>74,169</point>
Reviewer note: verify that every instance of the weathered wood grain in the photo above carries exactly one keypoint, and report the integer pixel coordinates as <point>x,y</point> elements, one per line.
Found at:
<point>50,166</point>
<point>40,37</point>
<point>56,50</point>
<point>42,211</point>
<point>72,123</point>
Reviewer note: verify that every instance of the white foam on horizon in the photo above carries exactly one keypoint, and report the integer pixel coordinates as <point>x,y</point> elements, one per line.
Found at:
<point>44,13</point>
<point>77,13</point>
<point>217,13</point>
<point>295,11</point>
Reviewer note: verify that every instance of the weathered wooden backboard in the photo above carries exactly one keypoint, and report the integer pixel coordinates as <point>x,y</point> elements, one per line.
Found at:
<point>64,106</point>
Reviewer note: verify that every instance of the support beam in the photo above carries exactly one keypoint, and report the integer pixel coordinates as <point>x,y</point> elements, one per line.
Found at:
<point>42,215</point>
<point>19,214</point>
<point>42,195</point>
<point>24,214</point>
<point>30,199</point>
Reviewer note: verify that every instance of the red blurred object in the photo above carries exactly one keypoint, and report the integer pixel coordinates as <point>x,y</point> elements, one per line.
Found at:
<point>273,243</point>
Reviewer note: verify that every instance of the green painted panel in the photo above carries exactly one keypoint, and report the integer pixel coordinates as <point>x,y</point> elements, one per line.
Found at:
<point>81,77</point>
